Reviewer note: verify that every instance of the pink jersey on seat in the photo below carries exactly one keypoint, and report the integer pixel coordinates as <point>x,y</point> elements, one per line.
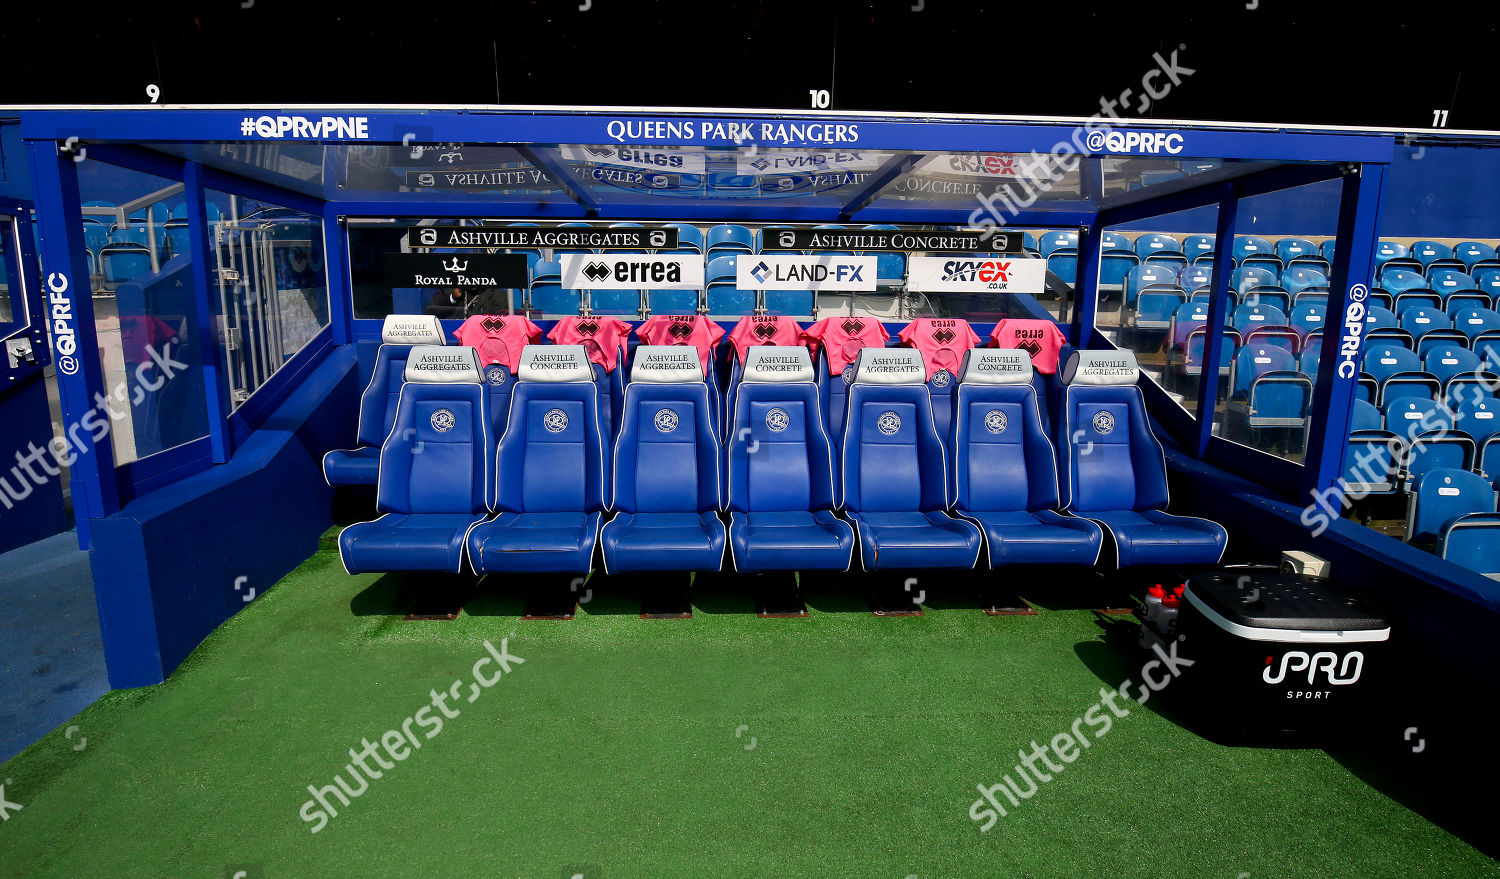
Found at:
<point>683,329</point>
<point>764,330</point>
<point>1039,338</point>
<point>942,341</point>
<point>602,337</point>
<point>842,337</point>
<point>499,338</point>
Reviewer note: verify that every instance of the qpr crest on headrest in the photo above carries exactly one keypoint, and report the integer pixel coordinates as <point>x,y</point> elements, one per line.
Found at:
<point>777,419</point>
<point>556,420</point>
<point>888,423</point>
<point>495,374</point>
<point>1104,423</point>
<point>995,421</point>
<point>666,420</point>
<point>940,378</point>
<point>443,420</point>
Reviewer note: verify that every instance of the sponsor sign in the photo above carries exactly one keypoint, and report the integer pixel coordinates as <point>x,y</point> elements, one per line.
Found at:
<point>949,274</point>
<point>964,241</point>
<point>456,269</point>
<point>808,162</point>
<point>643,158</point>
<point>481,180</point>
<point>774,272</point>
<point>645,238</point>
<point>631,271</point>
<point>989,166</point>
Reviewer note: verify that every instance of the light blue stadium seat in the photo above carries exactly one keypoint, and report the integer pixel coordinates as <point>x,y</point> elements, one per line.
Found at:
<point>729,238</point>
<point>1443,496</point>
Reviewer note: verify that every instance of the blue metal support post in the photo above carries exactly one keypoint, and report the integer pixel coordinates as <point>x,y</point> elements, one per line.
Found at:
<point>205,328</point>
<point>1218,308</point>
<point>70,314</point>
<point>1339,364</point>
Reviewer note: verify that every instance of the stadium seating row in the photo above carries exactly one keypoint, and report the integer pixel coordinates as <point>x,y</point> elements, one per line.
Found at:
<point>668,479</point>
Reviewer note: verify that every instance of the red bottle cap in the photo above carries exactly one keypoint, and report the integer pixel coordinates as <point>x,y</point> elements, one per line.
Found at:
<point>1171,601</point>
<point>1179,590</point>
<point>1156,591</point>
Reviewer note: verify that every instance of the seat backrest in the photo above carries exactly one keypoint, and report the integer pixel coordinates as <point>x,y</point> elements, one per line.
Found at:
<point>1443,494</point>
<point>892,458</point>
<point>1247,277</point>
<point>1409,416</point>
<point>1420,319</point>
<point>377,405</point>
<point>1253,361</point>
<point>1449,280</point>
<point>1002,458</point>
<point>1378,318</point>
<point>1448,361</point>
<point>1051,242</point>
<point>667,456</point>
<point>551,458</point>
<point>1110,459</point>
<point>1384,360</point>
<point>1290,248</point>
<point>438,456</point>
<point>1397,280</point>
<point>779,456</point>
<point>1308,317</point>
<point>1143,276</point>
<point>1149,245</point>
<point>730,237</point>
<point>1197,245</point>
<point>1248,317</point>
<point>1427,251</point>
<point>1365,417</point>
<point>1246,246</point>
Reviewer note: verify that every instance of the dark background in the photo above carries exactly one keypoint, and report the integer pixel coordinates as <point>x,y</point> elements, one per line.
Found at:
<point>1367,64</point>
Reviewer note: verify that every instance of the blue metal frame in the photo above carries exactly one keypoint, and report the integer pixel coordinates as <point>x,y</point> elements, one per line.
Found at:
<point>59,209</point>
<point>1353,257</point>
<point>708,128</point>
<point>214,387</point>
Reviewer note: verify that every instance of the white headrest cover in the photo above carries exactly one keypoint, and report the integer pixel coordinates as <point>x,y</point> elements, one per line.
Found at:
<point>996,366</point>
<point>777,363</point>
<point>412,329</point>
<point>443,365</point>
<point>1101,368</point>
<point>666,364</point>
<point>554,363</point>
<point>890,366</point>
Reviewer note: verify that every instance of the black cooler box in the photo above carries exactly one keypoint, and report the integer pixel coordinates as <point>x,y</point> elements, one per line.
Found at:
<point>1280,654</point>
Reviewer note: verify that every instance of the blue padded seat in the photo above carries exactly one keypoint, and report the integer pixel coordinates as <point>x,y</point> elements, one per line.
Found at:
<point>1114,469</point>
<point>666,469</point>
<point>1442,497</point>
<point>781,470</point>
<point>377,405</point>
<point>550,495</point>
<point>1005,469</point>
<point>895,485</point>
<point>435,469</point>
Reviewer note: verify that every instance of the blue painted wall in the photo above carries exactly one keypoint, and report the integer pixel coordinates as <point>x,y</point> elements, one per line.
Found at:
<point>167,567</point>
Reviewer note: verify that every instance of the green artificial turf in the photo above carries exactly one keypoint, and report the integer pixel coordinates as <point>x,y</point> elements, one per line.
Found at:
<point>837,745</point>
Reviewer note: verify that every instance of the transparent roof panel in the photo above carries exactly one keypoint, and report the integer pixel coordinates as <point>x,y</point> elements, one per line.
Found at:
<point>614,177</point>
